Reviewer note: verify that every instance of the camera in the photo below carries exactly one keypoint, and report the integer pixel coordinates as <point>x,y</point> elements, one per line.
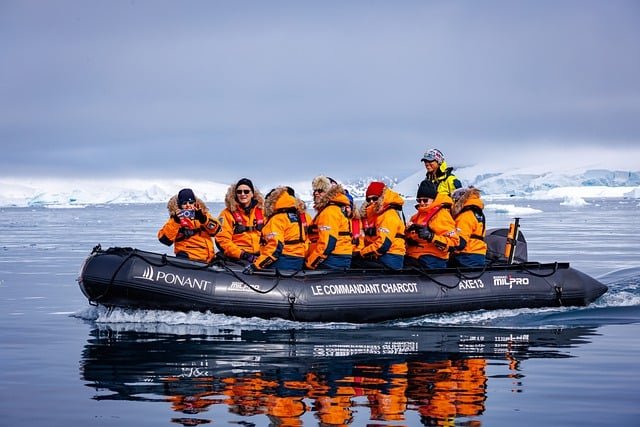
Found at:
<point>187,213</point>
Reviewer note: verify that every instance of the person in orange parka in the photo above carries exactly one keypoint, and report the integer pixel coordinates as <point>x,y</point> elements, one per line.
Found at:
<point>431,232</point>
<point>330,233</point>
<point>283,234</point>
<point>190,227</point>
<point>470,221</point>
<point>383,229</point>
<point>242,221</point>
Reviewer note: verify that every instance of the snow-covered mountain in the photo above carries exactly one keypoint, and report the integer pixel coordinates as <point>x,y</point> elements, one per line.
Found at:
<point>527,182</point>
<point>520,182</point>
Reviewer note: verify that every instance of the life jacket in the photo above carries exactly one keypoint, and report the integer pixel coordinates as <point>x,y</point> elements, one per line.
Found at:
<point>240,225</point>
<point>355,231</point>
<point>370,229</point>
<point>432,212</point>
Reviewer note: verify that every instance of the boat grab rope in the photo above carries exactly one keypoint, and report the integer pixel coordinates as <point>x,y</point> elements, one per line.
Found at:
<point>219,263</point>
<point>98,249</point>
<point>249,285</point>
<point>131,252</point>
<point>423,272</point>
<point>461,276</point>
<point>530,271</point>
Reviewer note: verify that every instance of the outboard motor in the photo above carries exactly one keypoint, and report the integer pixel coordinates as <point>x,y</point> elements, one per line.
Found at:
<point>497,239</point>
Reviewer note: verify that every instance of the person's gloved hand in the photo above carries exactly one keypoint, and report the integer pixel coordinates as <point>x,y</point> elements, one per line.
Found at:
<point>425,234</point>
<point>185,217</point>
<point>187,231</point>
<point>249,269</point>
<point>200,216</point>
<point>246,256</point>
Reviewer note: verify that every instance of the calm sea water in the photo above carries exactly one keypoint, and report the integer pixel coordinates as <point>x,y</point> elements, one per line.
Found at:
<point>65,362</point>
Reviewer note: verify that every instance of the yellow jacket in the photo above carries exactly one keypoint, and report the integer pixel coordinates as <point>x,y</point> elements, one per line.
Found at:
<point>444,179</point>
<point>241,229</point>
<point>283,233</point>
<point>330,232</point>
<point>194,241</point>
<point>437,218</point>
<point>383,225</point>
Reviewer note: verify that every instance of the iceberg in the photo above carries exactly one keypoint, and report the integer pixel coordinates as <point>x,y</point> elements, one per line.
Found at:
<point>572,186</point>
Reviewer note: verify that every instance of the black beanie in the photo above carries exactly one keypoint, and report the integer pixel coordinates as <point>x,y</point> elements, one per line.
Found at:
<point>185,195</point>
<point>247,182</point>
<point>427,189</point>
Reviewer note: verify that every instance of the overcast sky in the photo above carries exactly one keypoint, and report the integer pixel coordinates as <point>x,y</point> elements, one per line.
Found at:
<point>279,90</point>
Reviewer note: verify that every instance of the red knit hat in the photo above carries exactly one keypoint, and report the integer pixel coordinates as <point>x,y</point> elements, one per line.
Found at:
<point>375,189</point>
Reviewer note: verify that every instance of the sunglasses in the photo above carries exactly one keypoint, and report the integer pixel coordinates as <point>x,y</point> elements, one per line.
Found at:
<point>319,191</point>
<point>372,199</point>
<point>422,200</point>
<point>243,191</point>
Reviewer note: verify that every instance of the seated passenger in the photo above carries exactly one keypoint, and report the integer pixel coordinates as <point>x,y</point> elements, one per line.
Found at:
<point>470,221</point>
<point>283,234</point>
<point>383,229</point>
<point>330,231</point>
<point>431,232</point>
<point>242,221</point>
<point>190,227</point>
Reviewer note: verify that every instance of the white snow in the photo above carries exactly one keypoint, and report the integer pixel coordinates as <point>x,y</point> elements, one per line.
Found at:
<point>573,186</point>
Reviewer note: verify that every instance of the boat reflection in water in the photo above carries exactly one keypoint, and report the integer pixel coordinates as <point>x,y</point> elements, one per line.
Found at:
<point>326,376</point>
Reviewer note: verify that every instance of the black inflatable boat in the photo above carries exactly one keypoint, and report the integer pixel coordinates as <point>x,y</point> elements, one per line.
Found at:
<point>130,278</point>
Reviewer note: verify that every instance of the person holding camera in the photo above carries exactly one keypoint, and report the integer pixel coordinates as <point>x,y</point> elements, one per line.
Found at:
<point>190,227</point>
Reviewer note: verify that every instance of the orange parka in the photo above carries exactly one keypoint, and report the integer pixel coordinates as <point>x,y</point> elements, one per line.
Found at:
<point>241,228</point>
<point>384,225</point>
<point>437,217</point>
<point>284,232</point>
<point>469,218</point>
<point>195,241</point>
<point>330,232</point>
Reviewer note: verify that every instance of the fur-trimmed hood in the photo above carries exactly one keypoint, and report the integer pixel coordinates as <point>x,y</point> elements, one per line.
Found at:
<point>232,203</point>
<point>334,194</point>
<point>466,197</point>
<point>279,198</point>
<point>388,198</point>
<point>174,208</point>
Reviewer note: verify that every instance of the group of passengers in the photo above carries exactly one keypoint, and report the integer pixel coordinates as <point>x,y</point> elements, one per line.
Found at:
<point>276,232</point>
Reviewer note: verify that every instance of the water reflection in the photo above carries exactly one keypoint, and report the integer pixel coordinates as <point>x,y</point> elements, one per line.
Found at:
<point>339,377</point>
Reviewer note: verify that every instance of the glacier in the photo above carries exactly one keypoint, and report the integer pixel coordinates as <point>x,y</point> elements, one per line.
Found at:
<point>571,185</point>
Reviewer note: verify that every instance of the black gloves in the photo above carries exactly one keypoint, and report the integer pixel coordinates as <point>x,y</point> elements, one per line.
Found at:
<point>425,234</point>
<point>200,216</point>
<point>187,232</point>
<point>249,269</point>
<point>246,256</point>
